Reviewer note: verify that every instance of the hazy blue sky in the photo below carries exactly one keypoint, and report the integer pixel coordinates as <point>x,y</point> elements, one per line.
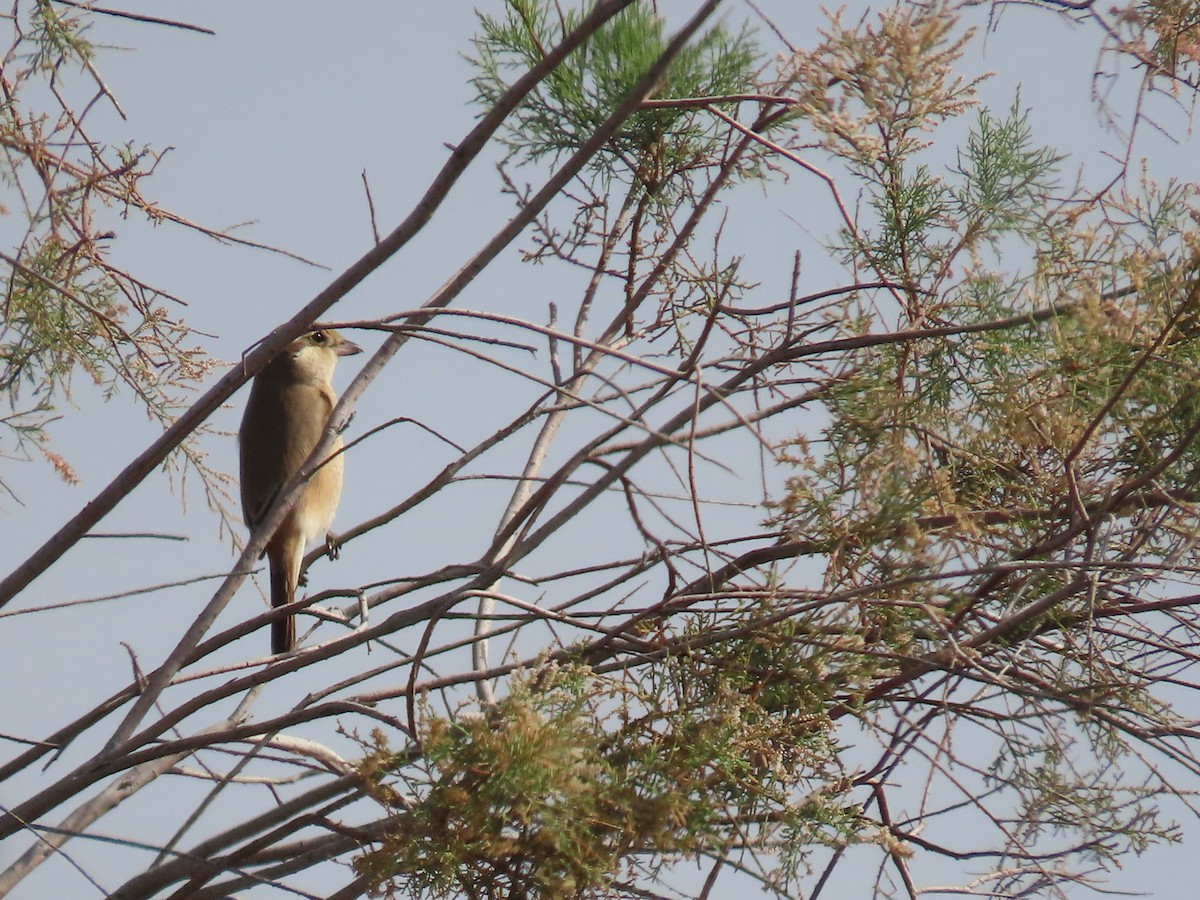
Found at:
<point>272,122</point>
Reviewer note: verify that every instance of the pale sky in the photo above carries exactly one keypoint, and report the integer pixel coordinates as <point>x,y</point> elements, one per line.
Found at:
<point>272,122</point>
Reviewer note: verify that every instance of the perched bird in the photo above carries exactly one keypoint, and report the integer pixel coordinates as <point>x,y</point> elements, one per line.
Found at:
<point>289,406</point>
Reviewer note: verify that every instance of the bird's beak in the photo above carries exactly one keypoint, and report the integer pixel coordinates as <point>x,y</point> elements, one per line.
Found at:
<point>347,348</point>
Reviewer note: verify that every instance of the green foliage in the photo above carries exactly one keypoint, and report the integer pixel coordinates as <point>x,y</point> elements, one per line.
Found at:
<point>1007,462</point>
<point>67,308</point>
<point>654,146</point>
<point>1070,785</point>
<point>873,93</point>
<point>965,482</point>
<point>567,781</point>
<point>962,629</point>
<point>1174,26</point>
<point>900,404</point>
<point>56,39</point>
<point>518,805</point>
<point>49,334</point>
<point>650,176</point>
<point>1005,177</point>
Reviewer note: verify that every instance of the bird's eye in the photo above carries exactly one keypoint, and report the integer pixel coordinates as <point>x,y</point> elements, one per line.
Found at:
<point>318,337</point>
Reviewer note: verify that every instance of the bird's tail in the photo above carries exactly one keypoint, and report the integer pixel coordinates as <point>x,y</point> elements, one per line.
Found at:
<point>283,591</point>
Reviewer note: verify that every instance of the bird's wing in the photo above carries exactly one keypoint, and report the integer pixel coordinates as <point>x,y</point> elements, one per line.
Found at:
<point>279,430</point>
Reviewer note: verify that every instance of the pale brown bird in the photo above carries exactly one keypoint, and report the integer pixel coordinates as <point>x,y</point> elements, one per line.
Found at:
<point>289,406</point>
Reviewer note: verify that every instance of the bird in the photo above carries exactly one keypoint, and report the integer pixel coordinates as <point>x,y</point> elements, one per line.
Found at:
<point>289,407</point>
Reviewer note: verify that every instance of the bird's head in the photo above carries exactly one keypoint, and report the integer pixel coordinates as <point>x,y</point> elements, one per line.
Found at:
<point>311,357</point>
